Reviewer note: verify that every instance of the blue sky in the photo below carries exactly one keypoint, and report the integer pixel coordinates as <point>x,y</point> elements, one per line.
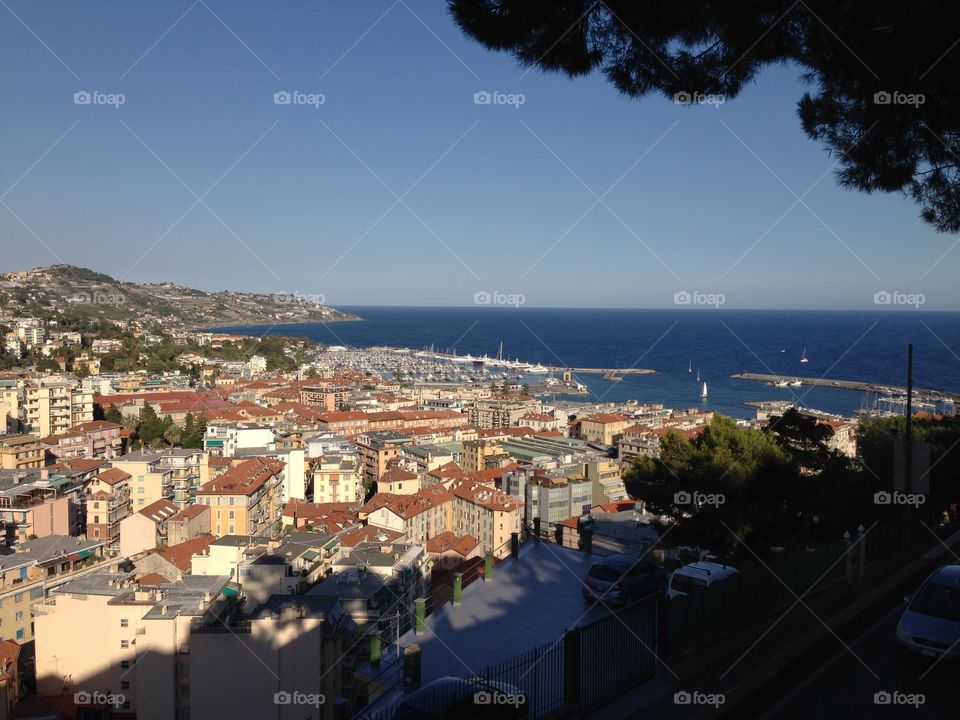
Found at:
<point>300,198</point>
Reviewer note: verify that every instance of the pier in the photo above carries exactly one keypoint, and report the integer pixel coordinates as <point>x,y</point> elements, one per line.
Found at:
<point>920,393</point>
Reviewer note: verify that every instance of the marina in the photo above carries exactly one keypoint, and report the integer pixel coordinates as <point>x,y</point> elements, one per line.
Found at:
<point>887,391</point>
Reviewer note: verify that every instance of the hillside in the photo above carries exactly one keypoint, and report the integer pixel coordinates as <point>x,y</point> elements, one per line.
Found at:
<point>60,290</point>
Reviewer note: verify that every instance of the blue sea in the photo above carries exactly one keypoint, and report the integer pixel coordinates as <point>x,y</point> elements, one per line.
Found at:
<point>843,345</point>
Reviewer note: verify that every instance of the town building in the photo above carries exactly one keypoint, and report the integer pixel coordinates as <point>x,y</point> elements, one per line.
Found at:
<point>21,452</point>
<point>245,499</point>
<point>97,439</point>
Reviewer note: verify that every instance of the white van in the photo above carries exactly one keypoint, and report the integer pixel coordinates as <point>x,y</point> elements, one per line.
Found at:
<point>698,576</point>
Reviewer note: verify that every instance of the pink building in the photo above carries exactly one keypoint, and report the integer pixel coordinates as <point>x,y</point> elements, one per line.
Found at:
<point>96,440</point>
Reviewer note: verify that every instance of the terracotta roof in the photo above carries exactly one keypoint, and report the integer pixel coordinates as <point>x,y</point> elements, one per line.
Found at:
<point>181,554</point>
<point>605,418</point>
<point>369,533</point>
<point>76,465</point>
<point>483,495</point>
<point>160,510</point>
<point>243,479</point>
<point>113,475</point>
<point>491,475</point>
<point>397,475</point>
<point>189,512</point>
<point>448,470</point>
<point>152,579</point>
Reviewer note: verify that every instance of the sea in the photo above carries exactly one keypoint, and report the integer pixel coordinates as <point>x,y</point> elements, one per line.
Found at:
<point>867,346</point>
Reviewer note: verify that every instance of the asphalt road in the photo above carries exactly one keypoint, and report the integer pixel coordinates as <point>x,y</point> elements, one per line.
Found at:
<point>846,683</point>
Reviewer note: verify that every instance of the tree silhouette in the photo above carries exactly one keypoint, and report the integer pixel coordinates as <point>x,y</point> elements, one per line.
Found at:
<point>883,97</point>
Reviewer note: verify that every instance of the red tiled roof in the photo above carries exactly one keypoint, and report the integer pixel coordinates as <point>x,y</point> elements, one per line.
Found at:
<point>369,533</point>
<point>181,554</point>
<point>243,479</point>
<point>113,475</point>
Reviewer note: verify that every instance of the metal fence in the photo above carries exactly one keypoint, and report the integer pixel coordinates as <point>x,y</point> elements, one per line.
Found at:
<point>584,668</point>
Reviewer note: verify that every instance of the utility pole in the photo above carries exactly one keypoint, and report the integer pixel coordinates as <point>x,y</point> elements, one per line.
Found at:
<point>908,448</point>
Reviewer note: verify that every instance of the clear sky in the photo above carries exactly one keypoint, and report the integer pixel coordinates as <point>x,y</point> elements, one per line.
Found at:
<point>496,197</point>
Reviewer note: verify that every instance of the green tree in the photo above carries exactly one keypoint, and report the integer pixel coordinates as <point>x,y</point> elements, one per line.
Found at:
<point>150,428</point>
<point>113,415</point>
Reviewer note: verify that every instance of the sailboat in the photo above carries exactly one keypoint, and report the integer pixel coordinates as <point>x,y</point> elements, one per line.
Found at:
<point>703,393</point>
<point>803,356</point>
<point>690,366</point>
<point>698,374</point>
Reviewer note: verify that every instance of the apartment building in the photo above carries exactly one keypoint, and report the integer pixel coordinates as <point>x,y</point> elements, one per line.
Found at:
<point>34,504</point>
<point>39,566</point>
<point>398,482</point>
<point>173,474</point>
<point>245,499</point>
<point>337,478</point>
<point>606,479</point>
<point>104,633</point>
<point>97,439</point>
<point>603,428</point>
<point>550,497</point>
<point>329,397</point>
<point>10,391</point>
<point>146,528</point>
<point>501,412</point>
<point>108,502</point>
<point>224,439</point>
<point>489,515</point>
<point>379,448</point>
<point>21,452</point>
<point>52,406</point>
<point>192,521</point>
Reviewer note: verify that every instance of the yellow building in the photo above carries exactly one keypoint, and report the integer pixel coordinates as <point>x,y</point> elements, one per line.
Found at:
<point>21,452</point>
<point>246,499</point>
<point>603,428</point>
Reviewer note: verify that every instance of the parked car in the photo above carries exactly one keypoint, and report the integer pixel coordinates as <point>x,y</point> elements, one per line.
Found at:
<point>698,576</point>
<point>464,699</point>
<point>931,623</point>
<point>617,579</point>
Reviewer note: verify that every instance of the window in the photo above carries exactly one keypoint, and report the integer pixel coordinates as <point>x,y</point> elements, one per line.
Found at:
<point>18,597</point>
<point>124,622</point>
<point>124,664</point>
<point>124,644</point>
<point>141,489</point>
<point>231,514</point>
<point>19,616</point>
<point>124,684</point>
<point>19,634</point>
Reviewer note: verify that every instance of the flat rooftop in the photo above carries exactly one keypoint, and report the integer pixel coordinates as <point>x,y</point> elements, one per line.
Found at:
<point>531,602</point>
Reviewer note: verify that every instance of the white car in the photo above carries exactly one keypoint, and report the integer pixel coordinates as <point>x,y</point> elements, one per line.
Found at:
<point>698,576</point>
